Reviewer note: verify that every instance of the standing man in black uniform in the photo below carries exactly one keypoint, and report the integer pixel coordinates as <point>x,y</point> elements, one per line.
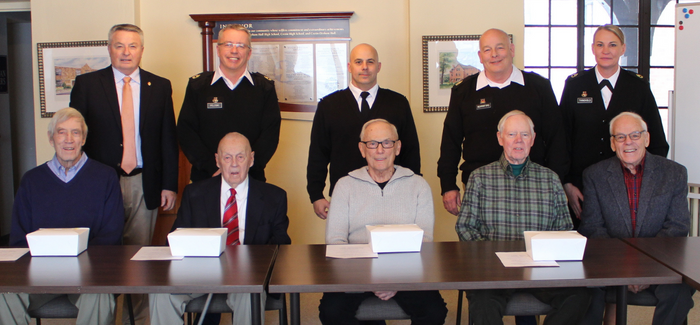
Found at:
<point>591,98</point>
<point>231,99</point>
<point>479,101</point>
<point>339,119</point>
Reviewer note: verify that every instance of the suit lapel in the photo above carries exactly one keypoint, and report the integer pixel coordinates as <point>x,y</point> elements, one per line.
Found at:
<point>212,204</point>
<point>145,98</point>
<point>649,177</point>
<point>109,87</point>
<point>253,211</point>
<point>619,191</point>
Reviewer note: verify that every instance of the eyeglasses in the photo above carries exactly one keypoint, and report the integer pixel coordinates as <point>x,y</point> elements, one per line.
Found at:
<point>636,135</point>
<point>386,144</point>
<point>230,45</point>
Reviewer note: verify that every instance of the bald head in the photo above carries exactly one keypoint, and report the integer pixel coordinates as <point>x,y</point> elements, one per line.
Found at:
<point>234,158</point>
<point>496,54</point>
<point>364,66</point>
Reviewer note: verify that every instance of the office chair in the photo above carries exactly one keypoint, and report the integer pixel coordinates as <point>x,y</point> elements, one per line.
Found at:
<point>218,306</point>
<point>520,304</point>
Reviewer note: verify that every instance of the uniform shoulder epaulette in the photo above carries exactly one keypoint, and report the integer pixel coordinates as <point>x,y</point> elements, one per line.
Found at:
<point>195,76</point>
<point>458,82</point>
<point>640,76</point>
<point>574,75</point>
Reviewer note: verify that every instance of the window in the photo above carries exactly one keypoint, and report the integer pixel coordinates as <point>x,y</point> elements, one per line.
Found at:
<point>559,33</point>
<point>569,26</point>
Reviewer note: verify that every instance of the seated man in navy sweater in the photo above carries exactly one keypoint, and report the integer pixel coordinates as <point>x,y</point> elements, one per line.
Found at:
<point>68,191</point>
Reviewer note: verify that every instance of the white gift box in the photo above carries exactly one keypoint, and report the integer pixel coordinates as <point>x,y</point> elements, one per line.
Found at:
<point>58,241</point>
<point>197,241</point>
<point>395,238</point>
<point>555,245</point>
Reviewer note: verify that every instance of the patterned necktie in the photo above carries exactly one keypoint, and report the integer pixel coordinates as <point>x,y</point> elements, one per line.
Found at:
<point>365,105</point>
<point>128,129</point>
<point>231,219</point>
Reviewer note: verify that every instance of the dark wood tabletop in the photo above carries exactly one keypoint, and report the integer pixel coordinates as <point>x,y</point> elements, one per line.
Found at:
<point>681,254</point>
<point>109,269</point>
<point>461,265</point>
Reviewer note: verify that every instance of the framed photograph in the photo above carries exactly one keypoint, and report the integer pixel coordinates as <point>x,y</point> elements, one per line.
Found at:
<point>447,59</point>
<point>303,72</point>
<point>60,63</point>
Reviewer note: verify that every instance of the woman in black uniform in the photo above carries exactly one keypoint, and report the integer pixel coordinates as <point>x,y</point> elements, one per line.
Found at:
<point>591,98</point>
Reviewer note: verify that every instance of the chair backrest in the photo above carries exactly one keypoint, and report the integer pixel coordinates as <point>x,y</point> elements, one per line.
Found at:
<point>218,305</point>
<point>525,304</point>
<point>374,308</point>
<point>60,307</point>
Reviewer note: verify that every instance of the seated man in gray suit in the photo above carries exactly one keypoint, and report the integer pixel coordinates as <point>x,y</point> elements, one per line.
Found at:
<point>638,194</point>
<point>254,212</point>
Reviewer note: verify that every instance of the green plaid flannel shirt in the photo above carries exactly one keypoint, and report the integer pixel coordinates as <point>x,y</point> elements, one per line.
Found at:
<point>500,206</point>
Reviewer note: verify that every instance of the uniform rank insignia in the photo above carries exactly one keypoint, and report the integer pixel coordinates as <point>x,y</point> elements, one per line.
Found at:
<point>483,104</point>
<point>215,104</point>
<point>584,99</point>
<point>196,76</point>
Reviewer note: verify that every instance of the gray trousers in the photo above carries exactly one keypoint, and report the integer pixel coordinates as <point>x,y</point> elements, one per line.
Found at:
<point>139,223</point>
<point>92,308</point>
<point>167,309</point>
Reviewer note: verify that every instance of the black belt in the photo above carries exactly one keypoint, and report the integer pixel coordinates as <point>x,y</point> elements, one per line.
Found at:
<point>133,172</point>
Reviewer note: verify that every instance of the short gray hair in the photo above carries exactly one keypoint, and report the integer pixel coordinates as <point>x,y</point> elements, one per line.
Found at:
<point>630,114</point>
<point>513,113</point>
<point>126,28</point>
<point>394,132</point>
<point>66,114</point>
<point>238,27</point>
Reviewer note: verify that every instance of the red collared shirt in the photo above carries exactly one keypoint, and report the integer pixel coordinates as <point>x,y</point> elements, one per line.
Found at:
<point>633,182</point>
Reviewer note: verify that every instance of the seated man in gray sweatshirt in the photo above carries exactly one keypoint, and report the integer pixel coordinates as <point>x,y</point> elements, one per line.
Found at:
<point>380,193</point>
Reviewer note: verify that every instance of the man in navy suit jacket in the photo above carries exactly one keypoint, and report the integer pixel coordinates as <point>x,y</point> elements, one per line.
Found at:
<point>262,219</point>
<point>637,194</point>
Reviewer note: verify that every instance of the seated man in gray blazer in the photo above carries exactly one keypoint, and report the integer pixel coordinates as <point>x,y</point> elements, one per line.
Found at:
<point>637,194</point>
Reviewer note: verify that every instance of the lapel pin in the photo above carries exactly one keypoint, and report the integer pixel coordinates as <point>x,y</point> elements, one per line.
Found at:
<point>149,83</point>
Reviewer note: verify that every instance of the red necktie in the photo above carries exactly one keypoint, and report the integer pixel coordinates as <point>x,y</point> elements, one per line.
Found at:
<point>231,219</point>
<point>128,129</point>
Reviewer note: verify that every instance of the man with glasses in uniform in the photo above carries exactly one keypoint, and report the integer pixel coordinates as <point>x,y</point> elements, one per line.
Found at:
<point>230,99</point>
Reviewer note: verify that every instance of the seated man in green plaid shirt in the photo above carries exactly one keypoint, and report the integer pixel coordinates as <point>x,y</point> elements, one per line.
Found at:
<point>507,197</point>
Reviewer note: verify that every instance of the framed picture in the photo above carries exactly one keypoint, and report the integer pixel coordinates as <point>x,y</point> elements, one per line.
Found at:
<point>447,59</point>
<point>60,63</point>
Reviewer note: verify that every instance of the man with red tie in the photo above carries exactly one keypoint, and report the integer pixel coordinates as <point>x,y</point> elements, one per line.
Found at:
<point>254,212</point>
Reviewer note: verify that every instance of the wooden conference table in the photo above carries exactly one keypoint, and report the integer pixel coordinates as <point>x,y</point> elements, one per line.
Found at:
<point>109,269</point>
<point>461,265</point>
<point>681,254</point>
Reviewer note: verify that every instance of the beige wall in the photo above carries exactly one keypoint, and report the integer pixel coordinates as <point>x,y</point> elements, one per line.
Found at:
<point>394,27</point>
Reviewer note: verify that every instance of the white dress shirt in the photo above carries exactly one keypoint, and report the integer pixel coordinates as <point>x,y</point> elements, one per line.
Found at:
<point>241,201</point>
<point>605,92</point>
<point>370,99</point>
